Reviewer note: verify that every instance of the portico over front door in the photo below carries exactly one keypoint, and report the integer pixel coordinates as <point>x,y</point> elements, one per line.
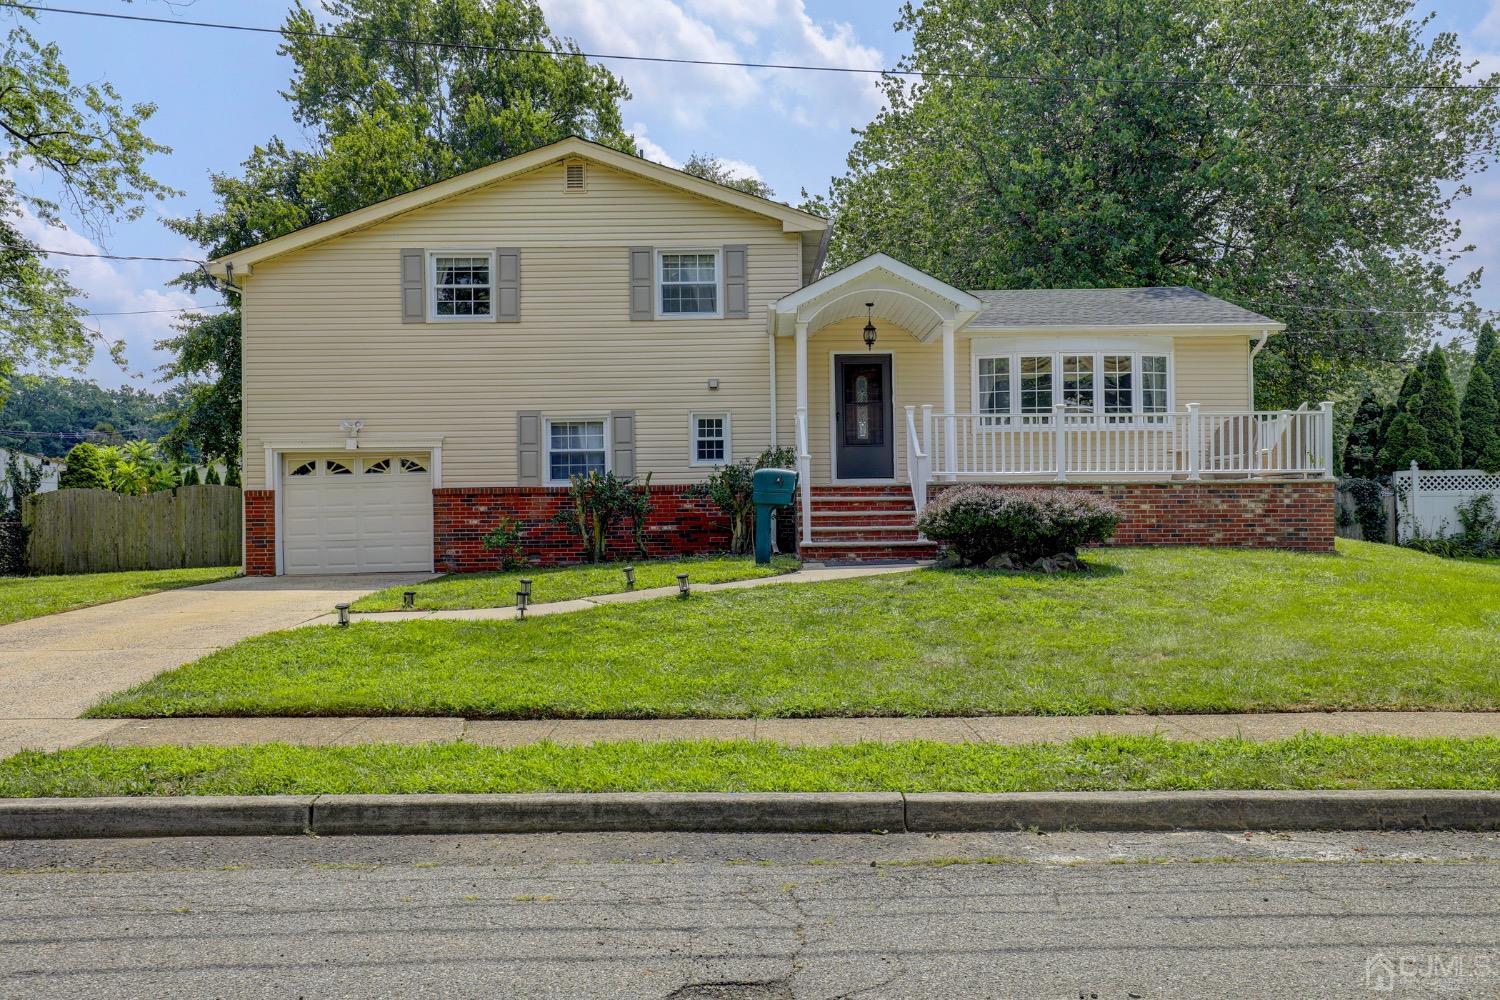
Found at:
<point>864,445</point>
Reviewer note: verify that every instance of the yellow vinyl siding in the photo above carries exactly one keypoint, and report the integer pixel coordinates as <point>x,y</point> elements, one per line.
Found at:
<point>1213,371</point>
<point>324,341</point>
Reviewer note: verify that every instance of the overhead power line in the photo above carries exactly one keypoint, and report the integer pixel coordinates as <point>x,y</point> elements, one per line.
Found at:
<point>110,256</point>
<point>737,64</point>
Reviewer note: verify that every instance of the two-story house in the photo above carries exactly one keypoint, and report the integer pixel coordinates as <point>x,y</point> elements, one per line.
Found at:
<point>418,368</point>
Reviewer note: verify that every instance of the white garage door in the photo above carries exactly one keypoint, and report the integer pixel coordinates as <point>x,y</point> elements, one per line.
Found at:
<point>356,513</point>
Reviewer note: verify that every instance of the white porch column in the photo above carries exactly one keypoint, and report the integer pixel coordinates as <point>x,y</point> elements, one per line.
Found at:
<point>950,399</point>
<point>801,367</point>
<point>771,352</point>
<point>804,459</point>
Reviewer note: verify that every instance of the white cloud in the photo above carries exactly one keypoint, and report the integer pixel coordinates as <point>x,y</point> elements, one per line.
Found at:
<point>650,149</point>
<point>117,287</point>
<point>776,31</point>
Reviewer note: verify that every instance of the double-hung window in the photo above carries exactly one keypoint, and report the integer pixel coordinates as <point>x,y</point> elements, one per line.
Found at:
<point>462,286</point>
<point>575,448</point>
<point>710,438</point>
<point>1115,386</point>
<point>687,284</point>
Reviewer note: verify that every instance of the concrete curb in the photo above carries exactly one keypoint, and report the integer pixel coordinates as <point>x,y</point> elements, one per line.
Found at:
<point>769,812</point>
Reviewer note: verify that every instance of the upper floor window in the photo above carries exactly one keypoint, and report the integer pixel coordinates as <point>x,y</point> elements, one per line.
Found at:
<point>687,284</point>
<point>462,286</point>
<point>1120,387</point>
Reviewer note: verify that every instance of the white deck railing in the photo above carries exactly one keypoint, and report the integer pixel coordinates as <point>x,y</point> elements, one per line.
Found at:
<point>1060,445</point>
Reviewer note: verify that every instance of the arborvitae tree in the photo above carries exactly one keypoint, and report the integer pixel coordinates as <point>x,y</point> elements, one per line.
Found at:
<point>1481,422</point>
<point>232,474</point>
<point>1437,410</point>
<point>84,471</point>
<point>212,479</point>
<point>1400,433</point>
<point>1362,447</point>
<point>1484,346</point>
<point>190,477</point>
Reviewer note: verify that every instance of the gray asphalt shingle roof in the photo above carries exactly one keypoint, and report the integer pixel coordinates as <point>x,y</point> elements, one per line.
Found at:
<point>1107,307</point>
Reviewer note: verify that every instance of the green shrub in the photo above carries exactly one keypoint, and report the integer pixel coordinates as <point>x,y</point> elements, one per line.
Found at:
<point>1369,506</point>
<point>595,503</point>
<point>504,539</point>
<point>981,522</point>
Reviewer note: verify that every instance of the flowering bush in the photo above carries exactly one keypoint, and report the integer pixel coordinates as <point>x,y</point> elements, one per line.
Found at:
<point>982,522</point>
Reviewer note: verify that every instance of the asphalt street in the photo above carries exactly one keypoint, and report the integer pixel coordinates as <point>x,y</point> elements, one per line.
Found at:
<point>713,917</point>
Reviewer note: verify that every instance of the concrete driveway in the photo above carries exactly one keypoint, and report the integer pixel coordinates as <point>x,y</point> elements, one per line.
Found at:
<point>55,667</point>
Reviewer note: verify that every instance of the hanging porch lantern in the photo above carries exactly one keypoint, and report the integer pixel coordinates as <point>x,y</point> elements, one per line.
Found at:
<point>869,325</point>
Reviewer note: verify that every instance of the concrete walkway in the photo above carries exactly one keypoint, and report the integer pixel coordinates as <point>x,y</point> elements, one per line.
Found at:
<point>1012,730</point>
<point>810,574</point>
<point>54,667</point>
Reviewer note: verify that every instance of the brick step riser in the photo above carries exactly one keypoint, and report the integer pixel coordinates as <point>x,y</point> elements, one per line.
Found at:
<point>871,553</point>
<point>889,506</point>
<point>845,533</point>
<point>855,520</point>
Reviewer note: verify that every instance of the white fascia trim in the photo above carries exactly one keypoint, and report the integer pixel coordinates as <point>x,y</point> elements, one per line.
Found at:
<point>782,314</point>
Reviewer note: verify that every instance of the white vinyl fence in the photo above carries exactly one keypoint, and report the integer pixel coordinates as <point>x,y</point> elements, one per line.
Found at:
<point>1427,500</point>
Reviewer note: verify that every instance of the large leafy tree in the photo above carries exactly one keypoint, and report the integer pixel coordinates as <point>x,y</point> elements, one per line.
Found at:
<point>1152,142</point>
<point>711,168</point>
<point>87,146</point>
<point>383,118</point>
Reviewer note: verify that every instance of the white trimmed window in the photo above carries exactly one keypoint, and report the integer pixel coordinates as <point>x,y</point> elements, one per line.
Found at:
<point>575,448</point>
<point>1117,386</point>
<point>462,286</point>
<point>687,284</point>
<point>710,433</point>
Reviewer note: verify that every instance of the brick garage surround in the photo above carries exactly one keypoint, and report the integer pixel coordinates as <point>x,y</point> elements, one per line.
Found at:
<point>260,532</point>
<point>1263,514</point>
<point>679,525</point>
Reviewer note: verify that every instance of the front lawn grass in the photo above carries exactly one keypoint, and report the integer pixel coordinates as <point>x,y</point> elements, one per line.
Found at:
<point>1095,763</point>
<point>1150,630</point>
<point>23,597</point>
<point>498,590</point>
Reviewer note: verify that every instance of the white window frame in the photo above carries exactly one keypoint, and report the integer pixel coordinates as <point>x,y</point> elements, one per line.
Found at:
<point>1134,352</point>
<point>432,286</point>
<point>693,439</point>
<point>656,281</point>
<point>547,423</point>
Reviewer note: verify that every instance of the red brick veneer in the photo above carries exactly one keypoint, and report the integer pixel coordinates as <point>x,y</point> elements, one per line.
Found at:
<point>1294,514</point>
<point>260,532</point>
<point>679,524</point>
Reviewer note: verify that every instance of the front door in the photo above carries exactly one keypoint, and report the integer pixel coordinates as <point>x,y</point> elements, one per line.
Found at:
<point>864,441</point>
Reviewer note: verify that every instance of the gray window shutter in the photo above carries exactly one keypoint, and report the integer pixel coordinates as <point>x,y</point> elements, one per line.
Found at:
<point>508,285</point>
<point>413,286</point>
<point>642,278</point>
<point>529,448</point>
<point>736,294</point>
<point>622,444</point>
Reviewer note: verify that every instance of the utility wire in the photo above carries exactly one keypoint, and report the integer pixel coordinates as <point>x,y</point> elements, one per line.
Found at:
<point>104,256</point>
<point>736,64</point>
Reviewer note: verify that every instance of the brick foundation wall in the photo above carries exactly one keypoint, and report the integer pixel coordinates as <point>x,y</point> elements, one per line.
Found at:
<point>678,525</point>
<point>1295,514</point>
<point>260,532</point>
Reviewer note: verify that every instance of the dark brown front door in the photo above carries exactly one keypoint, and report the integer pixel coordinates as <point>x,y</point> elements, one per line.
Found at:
<point>864,441</point>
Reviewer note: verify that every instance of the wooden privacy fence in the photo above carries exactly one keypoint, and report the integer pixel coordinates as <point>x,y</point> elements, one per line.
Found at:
<point>96,531</point>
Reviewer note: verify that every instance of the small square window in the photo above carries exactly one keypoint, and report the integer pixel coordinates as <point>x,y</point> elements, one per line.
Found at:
<point>689,284</point>
<point>575,448</point>
<point>710,438</point>
<point>461,286</point>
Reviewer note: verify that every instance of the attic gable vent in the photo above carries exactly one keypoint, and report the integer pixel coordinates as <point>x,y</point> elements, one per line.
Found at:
<point>574,179</point>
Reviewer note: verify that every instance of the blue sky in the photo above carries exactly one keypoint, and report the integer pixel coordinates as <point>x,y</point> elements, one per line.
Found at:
<point>218,94</point>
